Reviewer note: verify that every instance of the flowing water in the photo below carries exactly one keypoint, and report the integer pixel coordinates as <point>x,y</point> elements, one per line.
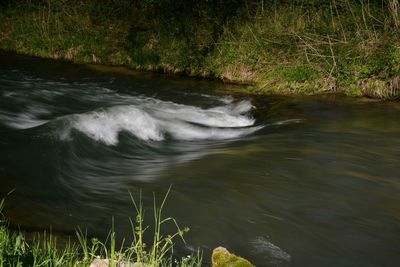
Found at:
<point>281,181</point>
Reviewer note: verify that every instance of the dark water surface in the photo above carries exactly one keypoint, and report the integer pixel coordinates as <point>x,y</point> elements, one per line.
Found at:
<point>295,182</point>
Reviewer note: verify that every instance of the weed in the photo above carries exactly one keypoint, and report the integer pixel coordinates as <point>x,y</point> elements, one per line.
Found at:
<point>44,250</point>
<point>291,44</point>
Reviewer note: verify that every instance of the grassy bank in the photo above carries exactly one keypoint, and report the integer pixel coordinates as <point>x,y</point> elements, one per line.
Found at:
<point>300,46</point>
<point>44,250</point>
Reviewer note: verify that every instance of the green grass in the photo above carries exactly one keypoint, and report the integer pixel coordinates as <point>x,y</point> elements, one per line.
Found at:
<point>44,250</point>
<point>299,46</point>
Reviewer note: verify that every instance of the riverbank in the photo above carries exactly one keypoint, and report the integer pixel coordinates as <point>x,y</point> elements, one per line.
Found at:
<point>290,47</point>
<point>43,249</point>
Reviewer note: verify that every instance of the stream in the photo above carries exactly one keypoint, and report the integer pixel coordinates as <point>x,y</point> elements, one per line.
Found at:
<point>281,181</point>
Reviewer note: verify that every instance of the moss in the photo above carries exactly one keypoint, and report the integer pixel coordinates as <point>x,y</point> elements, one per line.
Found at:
<point>222,258</point>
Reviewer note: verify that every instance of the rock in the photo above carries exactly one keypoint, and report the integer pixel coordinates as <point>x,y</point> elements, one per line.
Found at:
<point>106,263</point>
<point>99,263</point>
<point>221,257</point>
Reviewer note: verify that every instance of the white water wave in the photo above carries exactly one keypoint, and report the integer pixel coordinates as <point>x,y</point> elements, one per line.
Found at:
<point>105,125</point>
<point>232,115</point>
<point>155,120</point>
<point>23,120</point>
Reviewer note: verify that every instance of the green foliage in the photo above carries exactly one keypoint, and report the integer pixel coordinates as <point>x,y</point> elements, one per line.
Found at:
<point>300,73</point>
<point>300,41</point>
<point>145,57</point>
<point>44,250</point>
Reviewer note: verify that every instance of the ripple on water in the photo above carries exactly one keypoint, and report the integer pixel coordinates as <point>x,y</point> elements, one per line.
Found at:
<point>271,252</point>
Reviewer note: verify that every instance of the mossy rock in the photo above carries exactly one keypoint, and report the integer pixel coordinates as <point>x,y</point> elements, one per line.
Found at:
<point>221,257</point>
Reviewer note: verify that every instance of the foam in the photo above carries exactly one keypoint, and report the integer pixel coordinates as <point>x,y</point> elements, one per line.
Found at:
<point>24,120</point>
<point>152,119</point>
<point>21,121</point>
<point>105,125</point>
<point>146,118</point>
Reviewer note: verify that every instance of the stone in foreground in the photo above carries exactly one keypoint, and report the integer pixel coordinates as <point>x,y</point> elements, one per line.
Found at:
<point>106,263</point>
<point>221,257</point>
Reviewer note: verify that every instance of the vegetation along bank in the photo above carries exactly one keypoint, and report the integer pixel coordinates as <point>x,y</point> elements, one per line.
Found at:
<point>44,250</point>
<point>297,46</point>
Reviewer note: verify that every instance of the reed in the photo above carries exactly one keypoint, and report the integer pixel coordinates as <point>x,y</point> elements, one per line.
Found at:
<point>44,250</point>
<point>284,46</point>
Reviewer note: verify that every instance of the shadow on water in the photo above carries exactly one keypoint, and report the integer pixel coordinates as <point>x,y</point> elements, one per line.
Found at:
<point>309,181</point>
